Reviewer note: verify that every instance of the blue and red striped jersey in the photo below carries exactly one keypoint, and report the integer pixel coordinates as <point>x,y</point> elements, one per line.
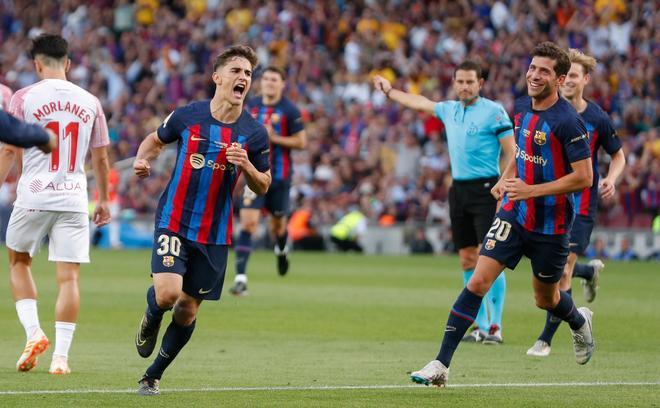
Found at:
<point>547,142</point>
<point>601,134</point>
<point>197,203</point>
<point>285,119</point>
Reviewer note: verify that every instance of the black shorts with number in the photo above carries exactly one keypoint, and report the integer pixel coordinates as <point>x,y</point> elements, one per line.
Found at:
<point>276,200</point>
<point>201,265</point>
<point>580,234</point>
<point>471,210</point>
<point>507,241</point>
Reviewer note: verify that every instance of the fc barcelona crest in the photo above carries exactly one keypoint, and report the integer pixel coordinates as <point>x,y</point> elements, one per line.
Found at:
<point>490,244</point>
<point>274,119</point>
<point>539,138</point>
<point>168,261</point>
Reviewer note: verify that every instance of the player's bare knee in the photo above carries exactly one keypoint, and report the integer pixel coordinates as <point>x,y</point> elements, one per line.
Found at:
<point>467,263</point>
<point>19,259</point>
<point>166,298</point>
<point>544,302</point>
<point>249,226</point>
<point>185,313</point>
<point>478,285</point>
<point>278,224</point>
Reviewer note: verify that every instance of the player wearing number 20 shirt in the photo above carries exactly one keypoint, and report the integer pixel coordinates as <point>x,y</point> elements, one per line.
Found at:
<point>547,142</point>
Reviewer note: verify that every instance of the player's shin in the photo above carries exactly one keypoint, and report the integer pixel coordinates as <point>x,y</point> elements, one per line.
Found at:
<point>154,312</point>
<point>567,311</point>
<point>243,250</point>
<point>552,323</point>
<point>461,316</point>
<point>174,339</point>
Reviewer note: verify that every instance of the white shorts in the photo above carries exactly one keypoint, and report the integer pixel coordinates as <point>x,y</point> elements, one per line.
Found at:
<point>68,234</point>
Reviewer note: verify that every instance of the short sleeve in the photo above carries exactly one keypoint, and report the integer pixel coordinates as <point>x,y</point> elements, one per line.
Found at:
<point>16,105</point>
<point>574,138</point>
<point>609,138</point>
<point>502,126</point>
<point>100,136</point>
<point>295,120</point>
<point>441,110</point>
<point>259,150</point>
<point>170,130</point>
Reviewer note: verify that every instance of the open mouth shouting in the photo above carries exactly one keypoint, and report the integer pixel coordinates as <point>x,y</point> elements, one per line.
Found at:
<point>239,90</point>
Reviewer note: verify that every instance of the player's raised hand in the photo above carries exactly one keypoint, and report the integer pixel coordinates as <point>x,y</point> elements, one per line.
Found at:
<point>237,156</point>
<point>382,84</point>
<point>517,190</point>
<point>141,168</point>
<point>52,142</point>
<point>101,215</point>
<point>607,188</point>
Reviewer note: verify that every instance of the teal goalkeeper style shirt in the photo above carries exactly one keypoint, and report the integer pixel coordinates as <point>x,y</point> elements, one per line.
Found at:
<point>473,137</point>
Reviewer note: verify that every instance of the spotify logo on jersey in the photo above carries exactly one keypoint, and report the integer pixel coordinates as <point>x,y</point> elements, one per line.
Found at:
<point>196,161</point>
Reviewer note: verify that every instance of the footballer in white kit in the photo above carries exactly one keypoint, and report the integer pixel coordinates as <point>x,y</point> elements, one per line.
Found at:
<point>51,197</point>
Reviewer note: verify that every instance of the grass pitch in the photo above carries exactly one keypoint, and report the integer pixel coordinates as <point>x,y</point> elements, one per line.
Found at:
<point>337,331</point>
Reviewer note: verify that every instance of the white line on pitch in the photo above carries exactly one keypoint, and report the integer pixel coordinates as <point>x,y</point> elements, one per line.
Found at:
<point>333,387</point>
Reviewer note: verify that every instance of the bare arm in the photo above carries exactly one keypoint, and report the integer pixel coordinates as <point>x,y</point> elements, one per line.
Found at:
<point>297,140</point>
<point>149,149</point>
<point>580,178</point>
<point>498,189</point>
<point>101,166</point>
<point>8,155</point>
<point>412,101</point>
<point>508,152</point>
<point>257,181</point>
<point>608,184</point>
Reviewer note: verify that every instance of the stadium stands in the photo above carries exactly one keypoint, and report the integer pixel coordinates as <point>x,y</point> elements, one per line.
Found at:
<point>143,59</point>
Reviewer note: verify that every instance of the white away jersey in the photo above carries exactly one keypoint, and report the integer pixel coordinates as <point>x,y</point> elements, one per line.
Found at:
<point>57,181</point>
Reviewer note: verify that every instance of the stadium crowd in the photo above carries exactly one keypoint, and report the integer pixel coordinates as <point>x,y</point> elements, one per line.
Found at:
<point>144,58</point>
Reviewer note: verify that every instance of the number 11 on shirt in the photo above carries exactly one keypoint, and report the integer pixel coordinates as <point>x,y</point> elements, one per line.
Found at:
<point>70,130</point>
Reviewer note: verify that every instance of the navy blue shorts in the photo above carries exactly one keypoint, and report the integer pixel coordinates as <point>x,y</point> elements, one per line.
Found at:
<point>580,234</point>
<point>507,241</point>
<point>201,265</point>
<point>276,200</point>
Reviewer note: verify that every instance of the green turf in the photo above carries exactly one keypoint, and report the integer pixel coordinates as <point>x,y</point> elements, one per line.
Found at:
<point>337,321</point>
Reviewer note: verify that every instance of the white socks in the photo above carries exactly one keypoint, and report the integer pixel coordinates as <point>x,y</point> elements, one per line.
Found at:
<point>63,337</point>
<point>240,277</point>
<point>28,316</point>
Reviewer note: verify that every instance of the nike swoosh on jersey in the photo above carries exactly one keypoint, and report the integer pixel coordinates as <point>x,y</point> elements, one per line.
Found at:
<point>196,138</point>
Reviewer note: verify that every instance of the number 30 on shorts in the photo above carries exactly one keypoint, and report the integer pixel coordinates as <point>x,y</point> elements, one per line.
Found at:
<point>169,245</point>
<point>500,230</point>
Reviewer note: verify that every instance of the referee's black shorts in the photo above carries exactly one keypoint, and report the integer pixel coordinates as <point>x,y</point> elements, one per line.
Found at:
<point>471,210</point>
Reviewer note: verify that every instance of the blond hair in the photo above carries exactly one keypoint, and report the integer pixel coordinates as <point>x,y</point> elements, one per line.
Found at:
<point>587,61</point>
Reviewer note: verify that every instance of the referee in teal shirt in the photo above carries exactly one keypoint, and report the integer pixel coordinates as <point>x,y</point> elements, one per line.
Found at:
<point>477,129</point>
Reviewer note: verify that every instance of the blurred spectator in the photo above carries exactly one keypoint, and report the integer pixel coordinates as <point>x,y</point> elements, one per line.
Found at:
<point>625,252</point>
<point>348,232</point>
<point>597,250</point>
<point>302,231</point>
<point>419,244</point>
<point>144,58</point>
